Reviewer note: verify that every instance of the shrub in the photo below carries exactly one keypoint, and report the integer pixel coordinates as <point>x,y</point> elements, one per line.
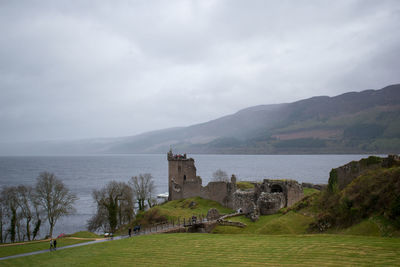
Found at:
<point>333,186</point>
<point>150,217</point>
<point>371,160</point>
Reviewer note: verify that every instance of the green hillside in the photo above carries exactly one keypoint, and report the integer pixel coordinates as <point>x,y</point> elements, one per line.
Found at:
<point>179,209</point>
<point>356,122</point>
<point>374,193</point>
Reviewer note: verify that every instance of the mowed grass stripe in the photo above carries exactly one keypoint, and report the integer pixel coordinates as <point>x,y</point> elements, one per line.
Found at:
<point>37,245</point>
<point>227,250</point>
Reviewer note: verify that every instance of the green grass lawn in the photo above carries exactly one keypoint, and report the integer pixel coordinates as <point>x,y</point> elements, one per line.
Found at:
<point>180,208</point>
<point>85,234</point>
<point>226,250</point>
<point>36,245</point>
<point>373,226</point>
<point>276,224</point>
<point>309,191</point>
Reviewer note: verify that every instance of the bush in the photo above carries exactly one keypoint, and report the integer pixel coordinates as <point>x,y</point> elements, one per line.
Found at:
<point>373,193</point>
<point>333,186</point>
<point>371,160</point>
<point>151,216</point>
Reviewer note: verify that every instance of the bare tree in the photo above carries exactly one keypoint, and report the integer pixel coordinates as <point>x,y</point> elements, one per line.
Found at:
<point>29,210</point>
<point>143,187</point>
<point>220,176</point>
<point>114,206</point>
<point>9,196</point>
<point>38,220</point>
<point>99,220</point>
<point>2,218</point>
<point>54,197</point>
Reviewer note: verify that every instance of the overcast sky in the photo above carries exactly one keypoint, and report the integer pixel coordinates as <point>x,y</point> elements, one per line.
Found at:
<point>81,69</point>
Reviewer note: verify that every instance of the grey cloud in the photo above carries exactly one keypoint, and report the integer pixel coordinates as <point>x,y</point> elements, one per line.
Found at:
<point>104,68</point>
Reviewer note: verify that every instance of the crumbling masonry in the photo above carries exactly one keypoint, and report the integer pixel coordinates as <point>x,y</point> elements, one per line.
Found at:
<point>266,197</point>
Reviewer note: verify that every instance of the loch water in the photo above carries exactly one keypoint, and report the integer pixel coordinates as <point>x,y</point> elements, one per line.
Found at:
<point>82,174</point>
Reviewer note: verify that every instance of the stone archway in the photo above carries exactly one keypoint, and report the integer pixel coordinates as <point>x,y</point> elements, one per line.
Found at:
<point>276,188</point>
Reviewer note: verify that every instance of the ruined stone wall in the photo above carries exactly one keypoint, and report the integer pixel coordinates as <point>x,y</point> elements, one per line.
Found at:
<point>221,192</point>
<point>191,188</point>
<point>294,193</point>
<point>348,172</point>
<point>184,183</point>
<point>270,203</point>
<point>181,170</point>
<point>244,200</point>
<point>266,198</point>
<point>292,190</point>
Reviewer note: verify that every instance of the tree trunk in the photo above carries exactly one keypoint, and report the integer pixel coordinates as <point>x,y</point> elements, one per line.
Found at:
<point>1,231</point>
<point>28,230</point>
<point>13,224</point>
<point>51,231</point>
<point>37,227</point>
<point>19,232</point>
<point>113,214</point>
<point>51,222</point>
<point>119,214</point>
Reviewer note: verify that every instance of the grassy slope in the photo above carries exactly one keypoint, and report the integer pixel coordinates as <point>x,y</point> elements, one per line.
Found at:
<point>309,191</point>
<point>373,226</point>
<point>276,224</point>
<point>180,208</point>
<point>223,250</point>
<point>9,250</point>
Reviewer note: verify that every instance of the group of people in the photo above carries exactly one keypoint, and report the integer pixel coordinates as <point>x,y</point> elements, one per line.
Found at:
<point>136,229</point>
<point>53,244</point>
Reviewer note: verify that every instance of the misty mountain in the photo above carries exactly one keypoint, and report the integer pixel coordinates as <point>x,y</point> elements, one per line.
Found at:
<point>355,122</point>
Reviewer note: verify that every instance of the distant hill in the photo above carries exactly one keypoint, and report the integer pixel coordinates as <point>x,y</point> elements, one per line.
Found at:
<point>355,122</point>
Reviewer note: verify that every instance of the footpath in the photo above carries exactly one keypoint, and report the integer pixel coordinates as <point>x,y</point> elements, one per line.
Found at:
<point>61,248</point>
<point>160,229</point>
<point>164,228</point>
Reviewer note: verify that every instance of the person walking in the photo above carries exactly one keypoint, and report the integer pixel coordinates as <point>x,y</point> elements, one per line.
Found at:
<point>51,244</point>
<point>55,244</point>
<point>130,232</point>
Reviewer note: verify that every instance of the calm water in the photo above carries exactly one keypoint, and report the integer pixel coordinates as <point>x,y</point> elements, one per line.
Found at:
<point>82,174</point>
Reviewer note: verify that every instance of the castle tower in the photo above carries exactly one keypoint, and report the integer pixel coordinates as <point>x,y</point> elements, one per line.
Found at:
<point>182,177</point>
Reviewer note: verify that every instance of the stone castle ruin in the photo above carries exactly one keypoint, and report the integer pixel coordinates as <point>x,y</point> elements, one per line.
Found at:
<point>345,174</point>
<point>266,197</point>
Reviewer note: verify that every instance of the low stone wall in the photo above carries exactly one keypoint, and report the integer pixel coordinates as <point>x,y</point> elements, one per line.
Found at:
<point>230,223</point>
